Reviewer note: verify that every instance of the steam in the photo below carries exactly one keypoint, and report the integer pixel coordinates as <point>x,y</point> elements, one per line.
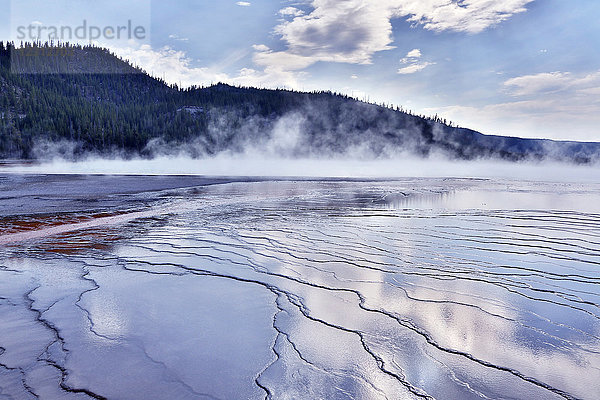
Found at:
<point>320,139</point>
<point>259,166</point>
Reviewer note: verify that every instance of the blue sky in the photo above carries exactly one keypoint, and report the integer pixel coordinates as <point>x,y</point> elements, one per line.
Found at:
<point>526,68</point>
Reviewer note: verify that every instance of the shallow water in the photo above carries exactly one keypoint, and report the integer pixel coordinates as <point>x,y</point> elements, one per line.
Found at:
<point>414,288</point>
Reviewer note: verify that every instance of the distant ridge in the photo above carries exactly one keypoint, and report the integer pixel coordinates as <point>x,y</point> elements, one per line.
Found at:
<point>69,100</point>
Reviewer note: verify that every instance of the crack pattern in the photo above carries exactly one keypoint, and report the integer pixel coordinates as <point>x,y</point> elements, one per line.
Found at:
<point>471,297</point>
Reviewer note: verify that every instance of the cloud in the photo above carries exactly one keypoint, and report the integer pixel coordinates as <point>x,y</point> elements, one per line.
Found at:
<point>290,12</point>
<point>471,16</point>
<point>352,31</point>
<point>411,57</point>
<point>348,31</point>
<point>557,105</point>
<point>172,65</point>
<point>176,37</point>
<point>415,67</point>
<point>415,53</point>
<point>177,68</point>
<point>341,31</point>
<point>552,82</point>
<point>261,48</point>
<point>414,64</point>
<point>268,78</point>
<point>244,3</point>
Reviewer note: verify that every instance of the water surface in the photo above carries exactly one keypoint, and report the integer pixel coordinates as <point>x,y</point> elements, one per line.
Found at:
<point>131,288</point>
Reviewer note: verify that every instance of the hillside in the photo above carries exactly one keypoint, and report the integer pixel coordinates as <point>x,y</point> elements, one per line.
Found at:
<point>79,100</point>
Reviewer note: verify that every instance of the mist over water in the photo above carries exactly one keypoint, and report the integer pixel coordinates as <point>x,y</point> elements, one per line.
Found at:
<point>260,165</point>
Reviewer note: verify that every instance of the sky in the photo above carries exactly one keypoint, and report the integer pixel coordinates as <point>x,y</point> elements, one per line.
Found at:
<point>528,68</point>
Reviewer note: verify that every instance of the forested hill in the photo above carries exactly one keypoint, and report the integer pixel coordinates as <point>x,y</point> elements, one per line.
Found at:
<point>79,100</point>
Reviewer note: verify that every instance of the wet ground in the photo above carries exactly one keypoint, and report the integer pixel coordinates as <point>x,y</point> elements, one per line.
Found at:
<point>184,287</point>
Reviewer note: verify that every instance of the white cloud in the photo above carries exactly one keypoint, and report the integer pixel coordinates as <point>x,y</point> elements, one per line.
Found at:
<point>415,53</point>
<point>414,67</point>
<point>344,31</point>
<point>352,31</point>
<point>172,65</point>
<point>290,12</point>
<point>535,84</point>
<point>261,47</point>
<point>411,57</point>
<point>592,91</point>
<point>176,37</point>
<point>348,31</point>
<point>176,67</point>
<point>414,64</point>
<point>268,78</point>
<point>471,16</point>
<point>556,105</point>
<point>552,82</point>
<point>244,3</point>
<point>550,119</point>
